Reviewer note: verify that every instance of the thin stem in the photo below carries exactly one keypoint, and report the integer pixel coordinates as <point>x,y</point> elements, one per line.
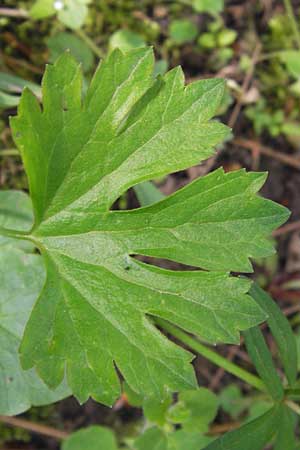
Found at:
<point>34,427</point>
<point>13,12</point>
<point>270,55</point>
<point>9,152</point>
<point>212,356</point>
<point>291,15</point>
<point>89,42</point>
<point>294,407</point>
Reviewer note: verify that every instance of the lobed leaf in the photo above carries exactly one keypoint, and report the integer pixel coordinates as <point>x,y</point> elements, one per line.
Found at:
<point>94,313</point>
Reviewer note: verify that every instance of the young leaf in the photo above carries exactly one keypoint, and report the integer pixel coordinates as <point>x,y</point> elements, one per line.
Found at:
<point>152,439</point>
<point>262,359</point>
<point>21,279</point>
<point>80,156</point>
<point>202,406</point>
<point>182,31</point>
<point>232,401</point>
<point>281,330</point>
<point>208,6</point>
<point>252,436</point>
<point>92,438</point>
<point>183,440</point>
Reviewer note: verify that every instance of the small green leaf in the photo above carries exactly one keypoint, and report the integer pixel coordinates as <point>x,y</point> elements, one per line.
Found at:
<point>178,413</point>
<point>291,128</point>
<point>182,31</point>
<point>155,409</point>
<point>182,440</point>
<point>202,405</point>
<point>262,359</point>
<point>291,58</point>
<point>126,40</point>
<point>226,37</point>
<point>21,279</point>
<point>281,330</point>
<point>231,400</point>
<point>8,100</point>
<point>152,439</point>
<point>72,13</point>
<point>252,436</point>
<point>67,41</point>
<point>42,9</point>
<point>208,6</point>
<point>92,438</point>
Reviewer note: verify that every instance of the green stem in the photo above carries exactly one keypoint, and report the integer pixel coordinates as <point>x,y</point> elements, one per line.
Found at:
<point>270,55</point>
<point>10,152</point>
<point>212,356</point>
<point>89,42</point>
<point>291,15</point>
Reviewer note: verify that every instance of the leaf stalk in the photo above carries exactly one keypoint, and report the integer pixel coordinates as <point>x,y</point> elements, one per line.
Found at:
<point>211,355</point>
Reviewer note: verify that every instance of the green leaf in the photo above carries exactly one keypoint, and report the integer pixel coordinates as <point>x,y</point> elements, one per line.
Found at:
<point>291,128</point>
<point>147,193</point>
<point>226,37</point>
<point>72,13</point>
<point>208,6</point>
<point>13,84</point>
<point>231,400</point>
<point>67,41</point>
<point>92,438</point>
<point>42,9</point>
<point>178,413</point>
<point>281,330</point>
<point>21,279</point>
<point>262,359</point>
<point>80,156</point>
<point>202,407</point>
<point>126,40</point>
<point>291,59</point>
<point>152,439</point>
<point>155,409</point>
<point>182,440</point>
<point>286,438</point>
<point>252,436</point>
<point>8,100</point>
<point>16,213</point>
<point>182,31</point>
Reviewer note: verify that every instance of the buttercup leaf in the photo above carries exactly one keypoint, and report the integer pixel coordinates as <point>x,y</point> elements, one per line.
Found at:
<point>94,313</point>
